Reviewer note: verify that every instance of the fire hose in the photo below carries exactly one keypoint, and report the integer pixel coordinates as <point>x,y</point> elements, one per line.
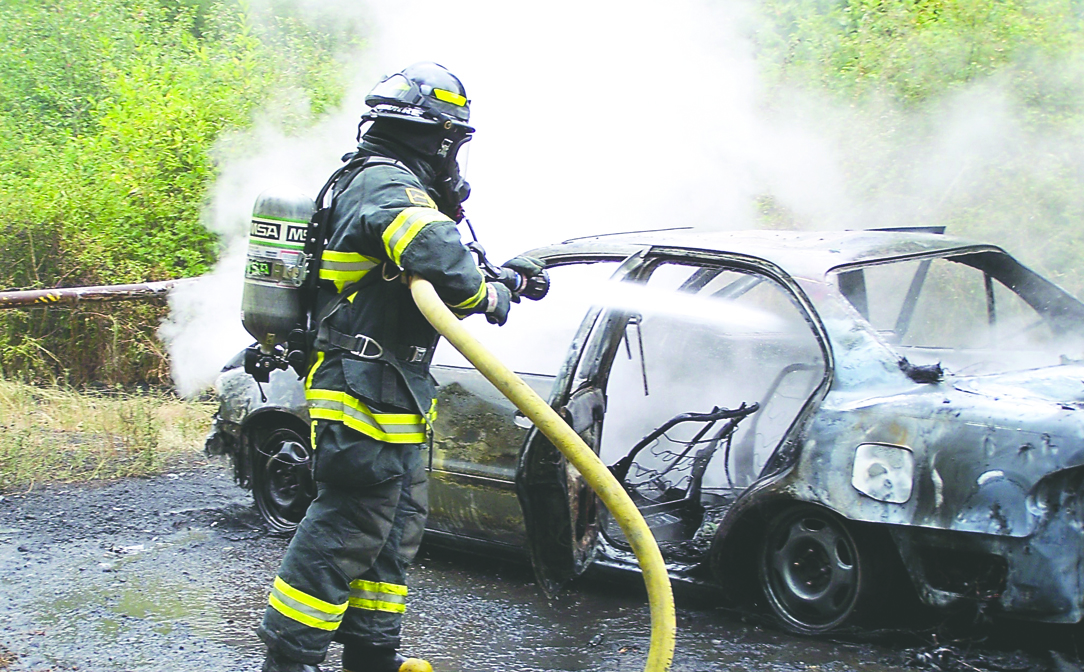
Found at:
<point>660,597</point>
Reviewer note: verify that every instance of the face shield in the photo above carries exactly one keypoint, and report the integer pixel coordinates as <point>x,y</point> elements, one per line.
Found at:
<point>452,186</point>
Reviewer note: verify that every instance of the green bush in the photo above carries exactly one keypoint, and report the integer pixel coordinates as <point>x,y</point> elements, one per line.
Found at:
<point>108,110</point>
<point>898,64</point>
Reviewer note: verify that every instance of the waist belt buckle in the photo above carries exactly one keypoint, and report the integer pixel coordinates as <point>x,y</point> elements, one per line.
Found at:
<point>417,354</point>
<point>367,347</point>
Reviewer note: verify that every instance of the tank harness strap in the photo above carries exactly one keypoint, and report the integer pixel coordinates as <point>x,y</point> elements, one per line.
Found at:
<point>364,346</point>
<point>337,183</point>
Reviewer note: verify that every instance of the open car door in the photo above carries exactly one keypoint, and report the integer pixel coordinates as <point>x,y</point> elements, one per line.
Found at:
<point>478,433</point>
<point>559,508</point>
<point>684,383</point>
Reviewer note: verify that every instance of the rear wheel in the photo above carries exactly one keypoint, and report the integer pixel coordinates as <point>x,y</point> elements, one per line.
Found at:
<point>282,482</point>
<point>814,572</point>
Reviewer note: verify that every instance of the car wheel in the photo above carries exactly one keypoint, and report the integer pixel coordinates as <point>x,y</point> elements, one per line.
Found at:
<point>814,573</point>
<point>281,478</point>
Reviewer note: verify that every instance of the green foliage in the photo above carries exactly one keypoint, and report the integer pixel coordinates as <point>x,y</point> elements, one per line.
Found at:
<point>917,49</point>
<point>901,65</point>
<point>108,110</point>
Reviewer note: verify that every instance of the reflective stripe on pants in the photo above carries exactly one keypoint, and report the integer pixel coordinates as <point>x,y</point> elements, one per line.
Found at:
<point>377,596</point>
<point>304,608</point>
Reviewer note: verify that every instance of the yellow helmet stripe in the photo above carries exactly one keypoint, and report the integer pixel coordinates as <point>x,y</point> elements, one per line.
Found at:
<point>449,97</point>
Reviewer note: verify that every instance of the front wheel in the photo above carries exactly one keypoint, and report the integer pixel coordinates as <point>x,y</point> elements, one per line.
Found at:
<point>814,572</point>
<point>282,482</point>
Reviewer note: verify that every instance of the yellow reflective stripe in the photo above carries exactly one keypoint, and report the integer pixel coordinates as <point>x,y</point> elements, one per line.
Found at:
<point>342,279</point>
<point>449,97</point>
<point>431,415</point>
<point>376,587</point>
<point>387,427</point>
<point>308,600</point>
<point>346,257</point>
<point>343,268</point>
<point>344,398</point>
<point>375,596</point>
<point>405,227</point>
<point>304,608</point>
<point>472,301</point>
<point>315,365</point>
<point>308,384</point>
<point>377,605</point>
<point>300,617</point>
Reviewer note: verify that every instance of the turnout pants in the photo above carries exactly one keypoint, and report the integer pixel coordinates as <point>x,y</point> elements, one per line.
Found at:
<point>343,576</point>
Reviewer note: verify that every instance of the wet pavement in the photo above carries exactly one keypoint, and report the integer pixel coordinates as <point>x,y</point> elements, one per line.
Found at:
<point>171,573</point>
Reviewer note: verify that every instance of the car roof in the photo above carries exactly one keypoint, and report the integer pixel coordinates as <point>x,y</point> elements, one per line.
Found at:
<point>805,254</point>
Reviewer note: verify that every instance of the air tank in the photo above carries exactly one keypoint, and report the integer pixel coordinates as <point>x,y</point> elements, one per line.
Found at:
<point>271,305</point>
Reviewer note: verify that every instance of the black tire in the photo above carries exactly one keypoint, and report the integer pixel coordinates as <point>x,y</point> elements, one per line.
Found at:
<point>282,482</point>
<point>815,573</point>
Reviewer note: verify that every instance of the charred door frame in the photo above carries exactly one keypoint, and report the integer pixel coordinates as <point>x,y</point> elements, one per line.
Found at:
<point>562,525</point>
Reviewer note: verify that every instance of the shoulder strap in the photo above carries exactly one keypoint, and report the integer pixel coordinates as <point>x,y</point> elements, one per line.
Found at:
<point>350,170</point>
<point>321,218</point>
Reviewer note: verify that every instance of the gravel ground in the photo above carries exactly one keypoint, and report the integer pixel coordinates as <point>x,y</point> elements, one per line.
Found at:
<point>171,573</point>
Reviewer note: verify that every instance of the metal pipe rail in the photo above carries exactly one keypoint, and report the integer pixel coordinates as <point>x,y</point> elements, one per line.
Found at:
<point>61,296</point>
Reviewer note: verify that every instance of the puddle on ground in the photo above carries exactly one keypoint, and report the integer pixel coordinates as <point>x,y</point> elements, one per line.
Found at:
<point>190,601</point>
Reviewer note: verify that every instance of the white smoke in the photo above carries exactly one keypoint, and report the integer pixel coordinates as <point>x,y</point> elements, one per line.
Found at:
<point>203,330</point>
<point>606,116</point>
<point>592,118</point>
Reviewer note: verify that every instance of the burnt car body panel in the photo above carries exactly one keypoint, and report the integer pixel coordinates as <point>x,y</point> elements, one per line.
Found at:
<point>973,476</point>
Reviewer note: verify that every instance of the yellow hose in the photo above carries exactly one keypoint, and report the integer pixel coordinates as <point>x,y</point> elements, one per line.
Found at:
<point>659,595</point>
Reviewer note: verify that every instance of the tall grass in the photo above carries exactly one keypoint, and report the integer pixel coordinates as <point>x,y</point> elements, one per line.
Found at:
<point>58,434</point>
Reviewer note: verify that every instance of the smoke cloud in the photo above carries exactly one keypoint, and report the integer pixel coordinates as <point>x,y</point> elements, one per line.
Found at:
<point>597,117</point>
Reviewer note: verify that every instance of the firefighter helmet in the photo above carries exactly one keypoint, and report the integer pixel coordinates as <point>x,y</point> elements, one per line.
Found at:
<point>426,93</point>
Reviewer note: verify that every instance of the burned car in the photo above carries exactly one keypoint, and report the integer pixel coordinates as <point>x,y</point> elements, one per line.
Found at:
<point>804,419</point>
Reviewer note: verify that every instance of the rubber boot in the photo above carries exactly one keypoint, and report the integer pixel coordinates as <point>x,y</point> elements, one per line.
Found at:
<point>277,663</point>
<point>379,659</point>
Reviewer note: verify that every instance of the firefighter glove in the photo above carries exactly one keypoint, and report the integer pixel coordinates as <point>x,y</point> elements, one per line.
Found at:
<point>515,282</point>
<point>498,303</point>
<point>534,280</point>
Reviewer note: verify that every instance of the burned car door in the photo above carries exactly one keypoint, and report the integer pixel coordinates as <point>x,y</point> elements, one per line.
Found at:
<point>687,382</point>
<point>478,433</point>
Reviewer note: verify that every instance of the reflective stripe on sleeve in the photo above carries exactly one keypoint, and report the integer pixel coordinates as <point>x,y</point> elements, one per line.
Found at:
<point>304,608</point>
<point>352,412</point>
<point>375,596</point>
<point>405,227</point>
<point>344,268</point>
<point>472,301</point>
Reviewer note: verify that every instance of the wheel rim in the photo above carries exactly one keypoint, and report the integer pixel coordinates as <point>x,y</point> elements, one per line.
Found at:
<point>281,480</point>
<point>285,483</point>
<point>811,570</point>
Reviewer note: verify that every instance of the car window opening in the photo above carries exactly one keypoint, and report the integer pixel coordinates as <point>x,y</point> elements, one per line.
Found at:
<point>974,314</point>
<point>697,405</point>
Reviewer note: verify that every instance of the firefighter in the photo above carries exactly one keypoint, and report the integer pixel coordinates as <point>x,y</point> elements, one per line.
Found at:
<point>369,391</point>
